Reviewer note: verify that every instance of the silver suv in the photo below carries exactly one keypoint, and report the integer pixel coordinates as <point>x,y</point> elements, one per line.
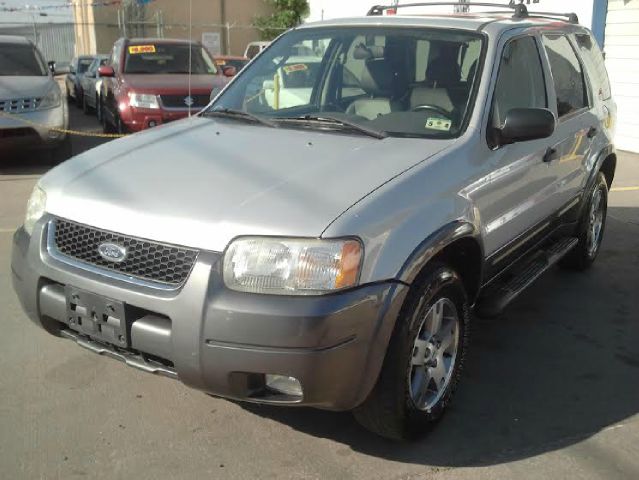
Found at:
<point>32,111</point>
<point>321,233</point>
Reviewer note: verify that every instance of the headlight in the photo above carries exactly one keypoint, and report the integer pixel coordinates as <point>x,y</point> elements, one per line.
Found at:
<point>282,266</point>
<point>143,100</point>
<point>35,208</point>
<point>51,99</point>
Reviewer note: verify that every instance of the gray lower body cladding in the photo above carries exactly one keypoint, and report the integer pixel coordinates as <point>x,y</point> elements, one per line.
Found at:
<point>221,341</point>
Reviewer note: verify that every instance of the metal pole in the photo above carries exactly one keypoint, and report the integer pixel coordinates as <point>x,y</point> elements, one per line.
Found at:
<point>228,38</point>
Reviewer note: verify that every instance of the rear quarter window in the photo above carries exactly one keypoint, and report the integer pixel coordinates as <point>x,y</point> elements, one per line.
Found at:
<point>595,65</point>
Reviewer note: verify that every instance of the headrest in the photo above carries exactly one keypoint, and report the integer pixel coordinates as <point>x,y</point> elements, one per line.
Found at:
<point>377,77</point>
<point>362,52</point>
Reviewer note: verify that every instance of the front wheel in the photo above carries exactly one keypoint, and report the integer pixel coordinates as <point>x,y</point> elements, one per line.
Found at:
<point>591,228</point>
<point>424,360</point>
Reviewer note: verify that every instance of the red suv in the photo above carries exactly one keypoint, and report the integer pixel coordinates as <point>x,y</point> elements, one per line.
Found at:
<point>146,83</point>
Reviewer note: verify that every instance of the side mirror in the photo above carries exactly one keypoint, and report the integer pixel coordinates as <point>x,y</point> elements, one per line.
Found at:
<point>106,71</point>
<point>51,66</point>
<point>524,124</point>
<point>229,71</point>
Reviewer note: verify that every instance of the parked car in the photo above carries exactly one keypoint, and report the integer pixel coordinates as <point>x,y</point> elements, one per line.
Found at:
<point>91,85</point>
<point>73,81</point>
<point>32,113</point>
<point>253,48</point>
<point>329,253</point>
<point>230,64</point>
<point>147,83</point>
<point>293,83</point>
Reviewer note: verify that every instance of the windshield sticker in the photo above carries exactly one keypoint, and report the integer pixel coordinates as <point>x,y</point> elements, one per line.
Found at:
<point>441,124</point>
<point>298,67</point>
<point>136,49</point>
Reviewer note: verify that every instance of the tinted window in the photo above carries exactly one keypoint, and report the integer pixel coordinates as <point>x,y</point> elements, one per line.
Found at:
<point>252,51</point>
<point>168,58</point>
<point>21,60</point>
<point>567,75</point>
<point>595,65</point>
<point>84,64</point>
<point>520,83</point>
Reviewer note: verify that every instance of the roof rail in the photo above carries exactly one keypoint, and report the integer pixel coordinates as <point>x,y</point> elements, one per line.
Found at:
<point>519,10</point>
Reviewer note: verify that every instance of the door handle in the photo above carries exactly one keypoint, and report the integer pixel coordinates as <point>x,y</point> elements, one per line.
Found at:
<point>592,132</point>
<point>550,155</point>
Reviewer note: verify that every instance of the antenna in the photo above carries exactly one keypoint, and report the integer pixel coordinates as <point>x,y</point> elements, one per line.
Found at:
<point>190,97</point>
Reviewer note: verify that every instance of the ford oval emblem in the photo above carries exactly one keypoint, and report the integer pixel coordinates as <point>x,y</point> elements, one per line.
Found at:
<point>112,252</point>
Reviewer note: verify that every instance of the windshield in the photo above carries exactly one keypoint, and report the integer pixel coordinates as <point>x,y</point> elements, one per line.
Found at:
<point>84,64</point>
<point>167,59</point>
<point>404,82</point>
<point>22,61</point>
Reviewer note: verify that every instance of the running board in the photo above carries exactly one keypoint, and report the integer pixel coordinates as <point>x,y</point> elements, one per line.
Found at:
<point>497,297</point>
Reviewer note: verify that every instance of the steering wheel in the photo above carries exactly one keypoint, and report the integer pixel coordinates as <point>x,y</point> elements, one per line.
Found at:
<point>435,108</point>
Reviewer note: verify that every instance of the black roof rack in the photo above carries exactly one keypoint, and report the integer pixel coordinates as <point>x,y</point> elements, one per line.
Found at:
<point>519,10</point>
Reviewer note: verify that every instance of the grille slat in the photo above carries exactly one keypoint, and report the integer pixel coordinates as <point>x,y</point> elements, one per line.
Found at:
<point>148,260</point>
<point>179,101</point>
<point>19,105</point>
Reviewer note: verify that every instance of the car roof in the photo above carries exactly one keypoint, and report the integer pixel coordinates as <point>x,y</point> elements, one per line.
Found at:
<point>490,22</point>
<point>146,41</point>
<point>14,39</point>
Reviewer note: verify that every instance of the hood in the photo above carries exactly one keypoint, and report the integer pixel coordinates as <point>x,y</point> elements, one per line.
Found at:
<point>173,82</point>
<point>201,182</point>
<point>24,87</point>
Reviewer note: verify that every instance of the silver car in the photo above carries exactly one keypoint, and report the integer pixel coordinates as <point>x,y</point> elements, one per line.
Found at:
<point>329,252</point>
<point>32,113</point>
<point>91,84</point>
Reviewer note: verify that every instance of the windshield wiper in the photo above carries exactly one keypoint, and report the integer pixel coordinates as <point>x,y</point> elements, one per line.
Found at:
<point>238,114</point>
<point>338,122</point>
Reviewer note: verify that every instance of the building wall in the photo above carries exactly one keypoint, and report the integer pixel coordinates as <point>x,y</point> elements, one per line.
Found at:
<point>97,27</point>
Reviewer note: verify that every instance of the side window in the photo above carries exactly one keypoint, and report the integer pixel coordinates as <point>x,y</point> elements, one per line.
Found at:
<point>520,82</point>
<point>595,65</point>
<point>567,74</point>
<point>115,56</point>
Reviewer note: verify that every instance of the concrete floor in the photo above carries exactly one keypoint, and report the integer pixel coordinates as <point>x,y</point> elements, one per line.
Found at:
<point>551,390</point>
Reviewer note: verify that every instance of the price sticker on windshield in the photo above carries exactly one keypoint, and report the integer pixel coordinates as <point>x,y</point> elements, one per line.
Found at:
<point>299,67</point>
<point>441,124</point>
<point>136,49</point>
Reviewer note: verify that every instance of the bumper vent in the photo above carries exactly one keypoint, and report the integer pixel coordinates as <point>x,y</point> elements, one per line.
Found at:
<point>19,105</point>
<point>182,101</point>
<point>151,261</point>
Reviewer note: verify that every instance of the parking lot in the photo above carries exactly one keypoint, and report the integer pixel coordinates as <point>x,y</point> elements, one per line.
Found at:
<point>550,391</point>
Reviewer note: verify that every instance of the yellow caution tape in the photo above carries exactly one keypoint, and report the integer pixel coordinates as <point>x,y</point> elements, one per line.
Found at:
<point>78,133</point>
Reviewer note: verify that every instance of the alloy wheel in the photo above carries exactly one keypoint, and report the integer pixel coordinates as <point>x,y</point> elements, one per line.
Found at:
<point>595,222</point>
<point>434,355</point>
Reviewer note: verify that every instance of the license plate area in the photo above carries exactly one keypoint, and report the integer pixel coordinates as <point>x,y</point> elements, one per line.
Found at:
<point>103,319</point>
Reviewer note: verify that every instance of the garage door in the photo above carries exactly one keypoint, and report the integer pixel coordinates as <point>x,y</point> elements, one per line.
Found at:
<point>622,60</point>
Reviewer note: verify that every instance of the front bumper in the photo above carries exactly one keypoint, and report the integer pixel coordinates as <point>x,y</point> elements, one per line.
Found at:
<point>40,128</point>
<point>137,119</point>
<point>224,342</point>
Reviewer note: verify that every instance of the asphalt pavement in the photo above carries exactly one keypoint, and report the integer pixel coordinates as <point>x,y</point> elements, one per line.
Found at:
<point>551,389</point>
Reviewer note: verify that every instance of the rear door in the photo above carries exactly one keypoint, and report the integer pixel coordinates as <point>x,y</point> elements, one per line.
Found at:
<point>577,123</point>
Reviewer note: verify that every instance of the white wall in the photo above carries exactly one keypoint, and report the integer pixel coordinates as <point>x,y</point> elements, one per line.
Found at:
<point>328,9</point>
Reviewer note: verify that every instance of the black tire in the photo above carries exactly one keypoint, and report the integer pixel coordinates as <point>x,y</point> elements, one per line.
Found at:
<point>62,152</point>
<point>98,108</point>
<point>585,253</point>
<point>78,98</point>
<point>390,410</point>
<point>85,106</point>
<point>120,128</point>
<point>107,127</point>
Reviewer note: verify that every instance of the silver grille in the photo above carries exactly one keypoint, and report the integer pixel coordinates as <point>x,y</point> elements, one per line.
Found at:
<point>146,260</point>
<point>19,105</point>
